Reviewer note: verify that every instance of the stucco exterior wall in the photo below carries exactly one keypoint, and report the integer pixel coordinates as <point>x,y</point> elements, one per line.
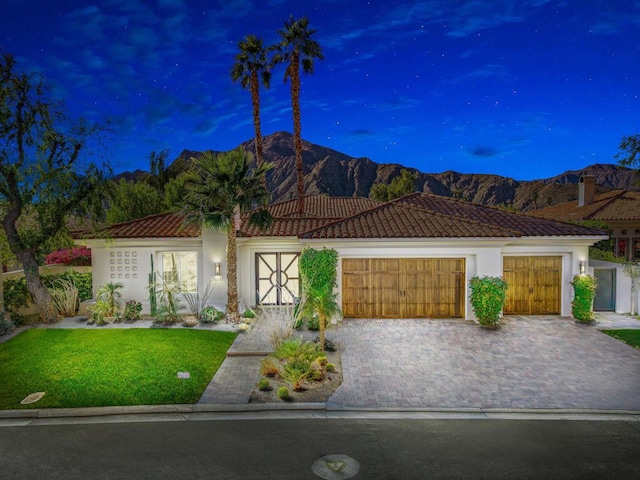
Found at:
<point>129,262</point>
<point>482,257</point>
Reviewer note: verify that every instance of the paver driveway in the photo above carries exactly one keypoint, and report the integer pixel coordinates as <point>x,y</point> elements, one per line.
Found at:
<point>531,362</point>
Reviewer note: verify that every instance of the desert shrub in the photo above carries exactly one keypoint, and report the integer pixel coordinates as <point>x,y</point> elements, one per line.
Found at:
<point>269,367</point>
<point>316,375</point>
<point>330,367</point>
<point>296,350</point>
<point>283,394</point>
<point>211,314</point>
<point>296,358</point>
<point>197,302</point>
<point>264,385</point>
<point>248,313</point>
<point>65,297</point>
<point>584,290</point>
<point>488,295</point>
<point>278,334</point>
<point>322,361</point>
<point>83,282</point>
<point>132,311</point>
<point>6,325</point>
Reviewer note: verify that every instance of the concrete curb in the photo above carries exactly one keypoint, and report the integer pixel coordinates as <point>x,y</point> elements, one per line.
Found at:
<point>327,410</point>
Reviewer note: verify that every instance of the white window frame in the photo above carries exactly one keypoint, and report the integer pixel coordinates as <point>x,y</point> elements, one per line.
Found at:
<point>180,272</point>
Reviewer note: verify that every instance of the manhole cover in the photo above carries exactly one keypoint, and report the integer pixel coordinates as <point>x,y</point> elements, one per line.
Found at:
<point>33,398</point>
<point>335,467</point>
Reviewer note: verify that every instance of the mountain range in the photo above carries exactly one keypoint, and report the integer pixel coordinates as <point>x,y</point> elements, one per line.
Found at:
<point>337,174</point>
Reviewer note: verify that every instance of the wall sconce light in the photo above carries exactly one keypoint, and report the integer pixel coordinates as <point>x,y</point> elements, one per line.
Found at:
<point>217,269</point>
<point>583,267</point>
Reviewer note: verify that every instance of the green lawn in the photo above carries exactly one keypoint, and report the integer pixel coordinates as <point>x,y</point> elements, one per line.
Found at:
<point>630,337</point>
<point>90,368</point>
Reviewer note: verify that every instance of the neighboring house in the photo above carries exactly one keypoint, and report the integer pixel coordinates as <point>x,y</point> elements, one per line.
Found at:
<point>620,211</point>
<point>409,258</point>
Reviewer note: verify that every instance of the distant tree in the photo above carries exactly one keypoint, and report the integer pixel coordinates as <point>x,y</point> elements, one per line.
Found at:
<point>41,172</point>
<point>131,200</point>
<point>629,154</point>
<point>252,68</point>
<point>158,172</point>
<point>297,49</point>
<point>217,189</point>
<point>174,191</point>
<point>402,185</point>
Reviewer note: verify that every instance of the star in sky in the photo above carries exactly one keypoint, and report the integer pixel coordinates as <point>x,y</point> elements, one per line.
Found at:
<point>526,88</point>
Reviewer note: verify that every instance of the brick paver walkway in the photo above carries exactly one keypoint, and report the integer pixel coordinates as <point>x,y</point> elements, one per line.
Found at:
<point>238,374</point>
<point>531,362</point>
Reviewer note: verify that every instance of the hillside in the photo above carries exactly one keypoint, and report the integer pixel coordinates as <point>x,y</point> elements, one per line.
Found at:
<point>333,173</point>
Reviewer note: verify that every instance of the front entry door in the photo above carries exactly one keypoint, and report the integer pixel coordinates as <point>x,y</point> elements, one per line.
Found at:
<point>277,278</point>
<point>605,299</point>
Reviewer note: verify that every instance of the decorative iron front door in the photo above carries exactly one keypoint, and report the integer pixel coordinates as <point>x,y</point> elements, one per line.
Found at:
<point>277,278</point>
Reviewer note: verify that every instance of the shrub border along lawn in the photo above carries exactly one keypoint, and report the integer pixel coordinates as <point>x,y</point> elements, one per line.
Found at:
<point>630,337</point>
<point>92,368</point>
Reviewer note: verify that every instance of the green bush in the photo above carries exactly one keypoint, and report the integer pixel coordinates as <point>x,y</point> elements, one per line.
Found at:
<point>211,314</point>
<point>6,325</point>
<point>584,290</point>
<point>132,310</point>
<point>488,295</point>
<point>16,294</point>
<point>283,394</point>
<point>248,313</point>
<point>330,367</point>
<point>264,385</point>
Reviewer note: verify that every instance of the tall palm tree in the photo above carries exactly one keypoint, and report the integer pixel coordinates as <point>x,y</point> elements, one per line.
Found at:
<point>296,49</point>
<point>251,69</point>
<point>219,189</point>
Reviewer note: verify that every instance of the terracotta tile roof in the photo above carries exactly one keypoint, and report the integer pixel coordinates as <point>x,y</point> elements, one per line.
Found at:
<point>162,225</point>
<point>417,215</point>
<point>519,224</point>
<point>284,227</point>
<point>422,215</point>
<point>322,206</point>
<point>397,220</point>
<point>616,205</point>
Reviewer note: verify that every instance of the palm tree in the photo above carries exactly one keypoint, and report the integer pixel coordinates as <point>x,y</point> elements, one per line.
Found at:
<point>251,69</point>
<point>323,303</point>
<point>297,48</point>
<point>219,189</point>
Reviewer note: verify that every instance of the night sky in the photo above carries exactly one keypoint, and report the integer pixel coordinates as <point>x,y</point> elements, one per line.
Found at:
<point>526,89</point>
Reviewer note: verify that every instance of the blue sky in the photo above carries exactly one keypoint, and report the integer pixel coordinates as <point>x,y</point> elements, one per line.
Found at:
<point>526,89</point>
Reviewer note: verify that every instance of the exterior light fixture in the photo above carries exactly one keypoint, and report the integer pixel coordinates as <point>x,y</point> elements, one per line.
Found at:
<point>217,269</point>
<point>583,267</point>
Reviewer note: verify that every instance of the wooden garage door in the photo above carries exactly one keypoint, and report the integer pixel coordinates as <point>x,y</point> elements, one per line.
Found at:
<point>403,287</point>
<point>534,285</point>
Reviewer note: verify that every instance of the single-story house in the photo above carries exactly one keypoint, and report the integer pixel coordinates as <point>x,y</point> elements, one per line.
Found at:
<point>620,211</point>
<point>409,258</point>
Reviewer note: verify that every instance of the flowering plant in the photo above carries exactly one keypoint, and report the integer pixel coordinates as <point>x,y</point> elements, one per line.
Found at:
<point>78,256</point>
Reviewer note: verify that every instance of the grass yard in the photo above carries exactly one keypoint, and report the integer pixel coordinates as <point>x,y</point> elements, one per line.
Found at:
<point>630,337</point>
<point>92,368</point>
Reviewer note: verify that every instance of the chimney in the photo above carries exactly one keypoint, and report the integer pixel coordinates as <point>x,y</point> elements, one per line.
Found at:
<point>586,190</point>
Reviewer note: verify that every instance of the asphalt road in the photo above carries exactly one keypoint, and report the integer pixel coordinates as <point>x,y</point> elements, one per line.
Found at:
<point>286,449</point>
